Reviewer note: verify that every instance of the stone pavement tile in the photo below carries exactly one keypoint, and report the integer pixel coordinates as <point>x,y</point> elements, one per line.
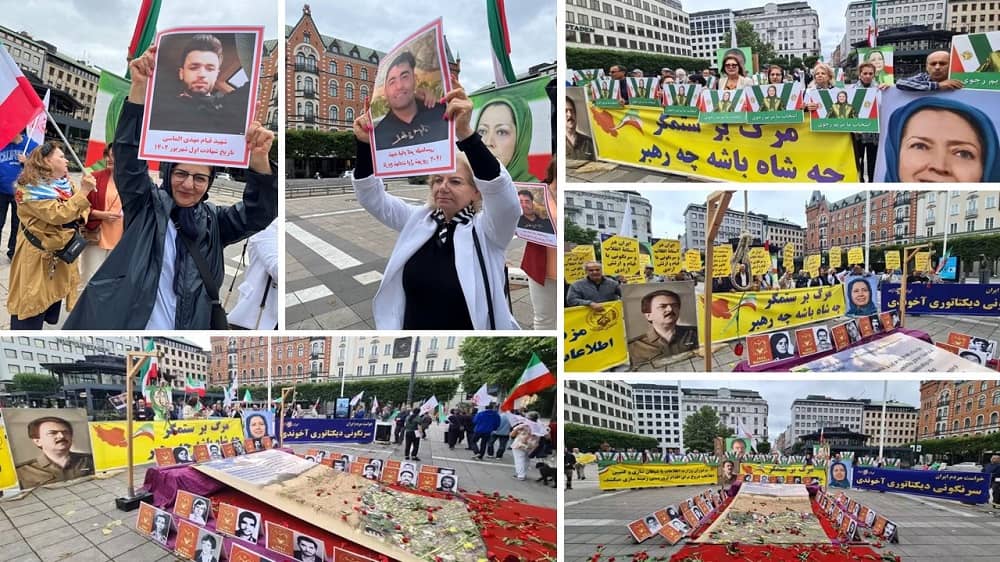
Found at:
<point>15,549</point>
<point>122,544</point>
<point>40,514</point>
<point>88,554</point>
<point>42,526</point>
<point>71,549</point>
<point>52,536</point>
<point>22,509</point>
<point>80,514</point>
<point>165,558</point>
<point>338,319</point>
<point>7,506</point>
<point>59,502</point>
<point>9,537</point>
<point>31,557</point>
<point>96,534</point>
<point>145,551</point>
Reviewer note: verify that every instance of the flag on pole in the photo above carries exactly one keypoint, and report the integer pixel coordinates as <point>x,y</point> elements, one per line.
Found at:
<point>36,129</point>
<point>230,394</point>
<point>429,405</point>
<point>192,386</point>
<point>247,396</point>
<point>441,415</point>
<point>496,17</point>
<point>149,370</point>
<point>393,415</point>
<point>375,405</point>
<point>357,398</point>
<point>626,229</point>
<point>19,104</point>
<point>821,439</point>
<point>536,378</point>
<point>872,29</point>
<point>145,29</point>
<point>482,397</point>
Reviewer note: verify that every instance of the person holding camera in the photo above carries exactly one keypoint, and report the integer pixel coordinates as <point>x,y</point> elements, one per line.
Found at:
<point>51,208</point>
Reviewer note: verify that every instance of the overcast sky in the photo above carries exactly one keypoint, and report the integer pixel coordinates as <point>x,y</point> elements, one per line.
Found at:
<point>99,31</point>
<point>832,22</point>
<point>780,394</point>
<point>382,25</point>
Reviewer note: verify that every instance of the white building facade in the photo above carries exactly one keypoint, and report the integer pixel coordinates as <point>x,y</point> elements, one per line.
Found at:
<point>604,211</point>
<point>900,423</point>
<point>647,26</point>
<point>956,212</point>
<point>24,354</point>
<point>893,13</point>
<point>371,356</point>
<point>746,408</point>
<point>792,28</point>
<point>813,413</point>
<point>709,30</point>
<point>733,225</point>
<point>601,404</point>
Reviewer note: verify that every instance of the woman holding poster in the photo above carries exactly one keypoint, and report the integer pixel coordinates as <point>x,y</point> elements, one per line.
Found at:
<point>446,271</point>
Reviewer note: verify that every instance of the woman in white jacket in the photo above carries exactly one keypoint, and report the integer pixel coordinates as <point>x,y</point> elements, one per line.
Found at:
<point>257,308</point>
<point>447,268</point>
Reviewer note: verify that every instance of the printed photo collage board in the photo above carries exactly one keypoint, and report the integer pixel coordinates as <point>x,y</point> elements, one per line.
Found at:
<point>812,340</point>
<point>424,477</point>
<point>167,456</point>
<point>850,516</point>
<point>675,522</point>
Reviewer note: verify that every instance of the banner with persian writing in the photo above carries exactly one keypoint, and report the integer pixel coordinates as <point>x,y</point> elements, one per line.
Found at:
<point>944,298</point>
<point>737,315</point>
<point>645,137</point>
<point>783,474</point>
<point>625,476</point>
<point>594,341</point>
<point>337,430</point>
<point>968,487</point>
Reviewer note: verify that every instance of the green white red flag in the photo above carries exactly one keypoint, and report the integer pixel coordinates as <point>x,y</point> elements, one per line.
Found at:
<point>536,378</point>
<point>872,29</point>
<point>145,29</point>
<point>192,386</point>
<point>496,16</point>
<point>19,104</point>
<point>149,370</point>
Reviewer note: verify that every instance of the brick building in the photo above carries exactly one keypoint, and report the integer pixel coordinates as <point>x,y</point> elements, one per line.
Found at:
<point>841,223</point>
<point>958,408</point>
<point>293,359</point>
<point>267,96</point>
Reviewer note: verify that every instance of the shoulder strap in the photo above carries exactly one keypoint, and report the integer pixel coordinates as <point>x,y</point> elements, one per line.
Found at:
<point>199,261</point>
<point>486,278</point>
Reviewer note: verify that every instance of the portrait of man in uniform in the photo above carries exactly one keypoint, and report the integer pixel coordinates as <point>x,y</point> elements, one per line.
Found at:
<point>409,121</point>
<point>663,337</point>
<point>55,460</point>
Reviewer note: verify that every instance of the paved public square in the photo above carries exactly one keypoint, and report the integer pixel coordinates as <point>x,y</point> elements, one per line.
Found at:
<point>929,529</point>
<point>335,254</point>
<point>79,521</point>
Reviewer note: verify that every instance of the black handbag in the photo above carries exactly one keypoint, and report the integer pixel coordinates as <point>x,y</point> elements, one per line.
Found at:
<point>219,319</point>
<point>68,253</point>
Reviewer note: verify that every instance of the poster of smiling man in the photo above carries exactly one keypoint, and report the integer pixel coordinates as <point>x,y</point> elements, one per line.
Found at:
<point>200,100</point>
<point>942,137</point>
<point>411,135</point>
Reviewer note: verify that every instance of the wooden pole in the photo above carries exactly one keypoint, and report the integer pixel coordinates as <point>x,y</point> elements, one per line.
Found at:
<point>716,206</point>
<point>133,362</point>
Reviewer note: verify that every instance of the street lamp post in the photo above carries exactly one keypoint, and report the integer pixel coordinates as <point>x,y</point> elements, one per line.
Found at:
<point>413,373</point>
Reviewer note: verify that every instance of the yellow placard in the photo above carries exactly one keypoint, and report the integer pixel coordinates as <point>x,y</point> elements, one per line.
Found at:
<point>8,477</point>
<point>692,261</point>
<point>108,439</point>
<point>624,476</point>
<point>586,458</point>
<point>892,260</point>
<point>667,257</point>
<point>788,473</point>
<point>594,341</point>
<point>835,257</point>
<point>922,261</point>
<point>811,264</point>
<point>722,257</point>
<point>573,266</point>
<point>760,261</point>
<point>643,137</point>
<point>737,315</point>
<point>620,256</point>
<point>855,256</point>
<point>788,257</point>
<point>586,250</point>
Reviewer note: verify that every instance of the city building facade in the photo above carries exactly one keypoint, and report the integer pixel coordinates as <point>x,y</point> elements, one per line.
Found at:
<point>267,96</point>
<point>780,232</point>
<point>658,414</point>
<point>293,359</point>
<point>710,31</point>
<point>647,26</point>
<point>73,76</point>
<point>958,408</point>
<point>900,423</point>
<point>604,212</point>
<point>372,356</point>
<point>842,223</point>
<point>24,354</point>
<point>736,408</point>
<point>968,16</point>
<point>180,359</point>
<point>603,404</point>
<point>892,14</point>
<point>956,212</point>
<point>26,52</point>
<point>792,28</point>
<point>813,413</point>
<point>761,227</point>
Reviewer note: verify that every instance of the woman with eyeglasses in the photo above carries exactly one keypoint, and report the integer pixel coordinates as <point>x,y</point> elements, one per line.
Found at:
<point>822,80</point>
<point>150,280</point>
<point>51,209</point>
<point>733,75</point>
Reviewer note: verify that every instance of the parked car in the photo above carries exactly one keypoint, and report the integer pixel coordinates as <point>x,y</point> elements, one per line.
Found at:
<point>964,467</point>
<point>347,173</point>
<point>223,176</point>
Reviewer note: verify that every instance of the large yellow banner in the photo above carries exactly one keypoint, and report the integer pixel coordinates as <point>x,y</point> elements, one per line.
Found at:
<point>737,315</point>
<point>783,474</point>
<point>835,256</point>
<point>110,447</point>
<point>620,476</point>
<point>641,136</point>
<point>8,477</point>
<point>594,341</point>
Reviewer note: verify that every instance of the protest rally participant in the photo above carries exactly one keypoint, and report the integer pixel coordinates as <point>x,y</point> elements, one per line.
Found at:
<point>50,209</point>
<point>106,224</point>
<point>539,263</point>
<point>593,289</point>
<point>866,144</point>
<point>504,124</point>
<point>415,426</point>
<point>775,74</point>
<point>735,75</point>
<point>257,308</point>
<point>524,442</point>
<point>485,422</point>
<point>822,80</point>
<point>934,77</point>
<point>12,159</point>
<point>151,280</point>
<point>618,73</point>
<point>447,268</point>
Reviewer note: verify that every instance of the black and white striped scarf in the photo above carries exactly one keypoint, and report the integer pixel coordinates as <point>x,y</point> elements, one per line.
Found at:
<point>462,217</point>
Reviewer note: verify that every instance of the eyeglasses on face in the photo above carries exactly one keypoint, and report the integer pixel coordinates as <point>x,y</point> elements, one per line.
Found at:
<point>731,65</point>
<point>181,176</point>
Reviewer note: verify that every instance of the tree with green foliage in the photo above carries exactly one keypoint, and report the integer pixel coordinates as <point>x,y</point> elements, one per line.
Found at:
<point>747,37</point>
<point>701,428</point>
<point>763,447</point>
<point>344,144</point>
<point>34,382</point>
<point>390,389</point>
<point>650,64</point>
<point>576,234</point>
<point>590,439</point>
<point>501,361</point>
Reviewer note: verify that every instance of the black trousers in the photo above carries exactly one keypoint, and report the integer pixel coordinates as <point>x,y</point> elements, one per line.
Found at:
<point>863,152</point>
<point>479,445</point>
<point>412,444</point>
<point>7,201</point>
<point>398,435</point>
<point>51,315</point>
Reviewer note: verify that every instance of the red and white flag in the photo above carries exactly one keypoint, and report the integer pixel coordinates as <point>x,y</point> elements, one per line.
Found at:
<point>536,378</point>
<point>36,129</point>
<point>19,104</point>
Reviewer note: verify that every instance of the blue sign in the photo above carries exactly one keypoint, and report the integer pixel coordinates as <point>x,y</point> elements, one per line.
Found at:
<point>970,487</point>
<point>320,430</point>
<point>950,270</point>
<point>944,298</point>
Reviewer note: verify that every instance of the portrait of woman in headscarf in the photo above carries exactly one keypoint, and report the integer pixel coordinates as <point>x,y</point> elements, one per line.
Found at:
<point>505,126</point>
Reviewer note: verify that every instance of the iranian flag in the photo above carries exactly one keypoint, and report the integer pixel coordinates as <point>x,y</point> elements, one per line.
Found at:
<point>536,378</point>
<point>969,52</point>
<point>149,371</point>
<point>788,93</point>
<point>19,104</point>
<point>529,102</point>
<point>145,29</point>
<point>36,129</point>
<point>496,17</point>
<point>872,29</point>
<point>192,386</point>
<point>865,101</point>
